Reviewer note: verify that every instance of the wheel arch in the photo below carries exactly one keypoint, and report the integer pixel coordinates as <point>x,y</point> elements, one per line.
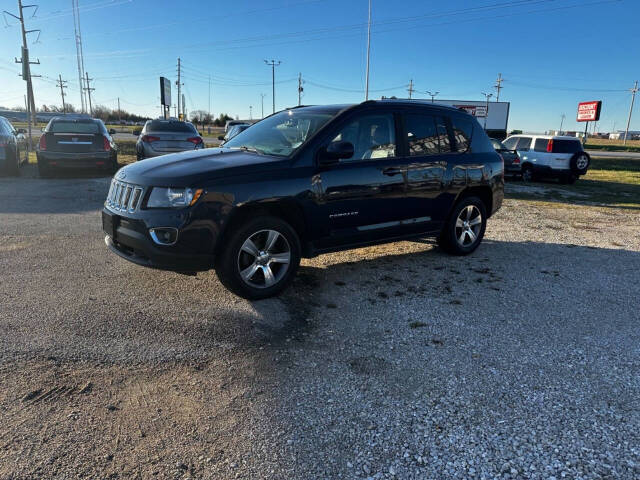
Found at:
<point>483,192</point>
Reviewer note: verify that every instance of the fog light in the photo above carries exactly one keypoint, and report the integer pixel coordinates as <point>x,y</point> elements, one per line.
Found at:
<point>164,235</point>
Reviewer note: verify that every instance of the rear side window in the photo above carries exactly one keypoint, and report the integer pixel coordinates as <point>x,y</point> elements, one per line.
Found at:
<point>462,132</point>
<point>510,143</point>
<point>422,135</point>
<point>566,146</point>
<point>168,126</point>
<point>73,127</point>
<point>524,143</point>
<point>541,145</point>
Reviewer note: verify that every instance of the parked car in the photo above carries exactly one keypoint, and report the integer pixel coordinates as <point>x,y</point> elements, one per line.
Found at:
<point>76,141</point>
<point>231,123</point>
<point>342,176</point>
<point>510,157</point>
<point>159,137</point>
<point>13,147</point>
<point>233,131</point>
<point>548,156</point>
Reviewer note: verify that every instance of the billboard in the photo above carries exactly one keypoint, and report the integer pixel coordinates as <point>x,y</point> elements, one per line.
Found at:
<point>497,117</point>
<point>589,111</point>
<point>165,91</point>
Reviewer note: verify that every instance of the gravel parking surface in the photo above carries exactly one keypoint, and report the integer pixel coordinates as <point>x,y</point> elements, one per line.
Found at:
<point>396,361</point>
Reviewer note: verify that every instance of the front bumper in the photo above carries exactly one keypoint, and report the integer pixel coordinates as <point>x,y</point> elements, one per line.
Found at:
<point>130,239</point>
<point>76,160</point>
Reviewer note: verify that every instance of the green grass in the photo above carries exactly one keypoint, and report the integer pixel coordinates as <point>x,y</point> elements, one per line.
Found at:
<point>612,145</point>
<point>610,182</point>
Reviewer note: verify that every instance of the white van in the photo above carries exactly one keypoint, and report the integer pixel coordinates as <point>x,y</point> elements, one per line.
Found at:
<point>549,156</point>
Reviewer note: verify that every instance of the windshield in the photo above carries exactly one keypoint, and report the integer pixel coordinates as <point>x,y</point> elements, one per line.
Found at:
<point>281,134</point>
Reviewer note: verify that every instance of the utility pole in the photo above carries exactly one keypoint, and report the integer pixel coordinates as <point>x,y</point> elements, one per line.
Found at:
<point>498,86</point>
<point>366,93</point>
<point>250,112</point>
<point>410,89</point>
<point>273,64</point>
<point>26,64</point>
<point>209,96</point>
<point>486,114</point>
<point>262,95</point>
<point>633,91</point>
<point>300,89</point>
<point>432,95</point>
<point>562,117</point>
<point>62,84</point>
<point>178,84</point>
<point>89,90</point>
<point>119,111</point>
<point>79,54</point>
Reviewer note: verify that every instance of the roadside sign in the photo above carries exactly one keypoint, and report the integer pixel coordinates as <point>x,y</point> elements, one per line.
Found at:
<point>589,111</point>
<point>165,91</point>
<point>475,110</point>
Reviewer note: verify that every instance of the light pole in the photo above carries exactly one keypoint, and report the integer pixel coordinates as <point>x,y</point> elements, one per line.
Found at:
<point>250,112</point>
<point>366,93</point>
<point>486,113</point>
<point>433,95</point>
<point>273,64</point>
<point>562,117</point>
<point>262,95</point>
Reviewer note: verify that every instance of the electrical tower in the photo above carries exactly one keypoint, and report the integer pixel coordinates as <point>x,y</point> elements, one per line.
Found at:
<point>273,64</point>
<point>62,84</point>
<point>26,65</point>
<point>410,89</point>
<point>633,91</point>
<point>498,86</point>
<point>88,89</point>
<point>79,54</point>
<point>300,89</point>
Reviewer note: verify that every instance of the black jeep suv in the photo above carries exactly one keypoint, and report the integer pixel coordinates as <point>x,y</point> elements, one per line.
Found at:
<point>306,181</point>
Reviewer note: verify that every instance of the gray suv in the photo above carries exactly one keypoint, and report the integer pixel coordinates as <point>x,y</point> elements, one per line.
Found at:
<point>160,137</point>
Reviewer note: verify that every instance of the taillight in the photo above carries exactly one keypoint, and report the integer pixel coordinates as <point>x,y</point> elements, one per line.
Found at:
<point>149,138</point>
<point>107,144</point>
<point>516,160</point>
<point>550,146</point>
<point>43,142</point>
<point>195,140</point>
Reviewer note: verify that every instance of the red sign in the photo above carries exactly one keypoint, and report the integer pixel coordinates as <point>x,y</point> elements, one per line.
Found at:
<point>589,111</point>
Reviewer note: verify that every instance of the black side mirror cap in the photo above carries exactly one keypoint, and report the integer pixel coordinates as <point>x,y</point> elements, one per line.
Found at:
<point>220,137</point>
<point>335,152</point>
<point>22,130</point>
<point>112,131</point>
<point>136,132</point>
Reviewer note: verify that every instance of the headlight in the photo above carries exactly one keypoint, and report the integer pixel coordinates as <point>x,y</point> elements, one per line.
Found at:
<point>173,197</point>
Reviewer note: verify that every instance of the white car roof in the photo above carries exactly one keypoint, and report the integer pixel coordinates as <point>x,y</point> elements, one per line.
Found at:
<point>545,137</point>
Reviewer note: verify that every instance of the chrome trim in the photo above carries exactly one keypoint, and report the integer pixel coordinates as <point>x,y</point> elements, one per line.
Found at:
<point>124,197</point>
<point>155,238</point>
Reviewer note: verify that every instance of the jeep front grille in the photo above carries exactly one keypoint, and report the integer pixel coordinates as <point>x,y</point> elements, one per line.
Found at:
<point>123,197</point>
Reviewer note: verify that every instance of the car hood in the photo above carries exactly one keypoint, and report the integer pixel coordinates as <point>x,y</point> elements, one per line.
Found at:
<point>193,168</point>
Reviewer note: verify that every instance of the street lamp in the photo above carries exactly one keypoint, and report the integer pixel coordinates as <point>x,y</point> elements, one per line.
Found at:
<point>432,94</point>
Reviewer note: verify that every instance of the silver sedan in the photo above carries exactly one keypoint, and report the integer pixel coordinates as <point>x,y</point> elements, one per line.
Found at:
<point>160,137</point>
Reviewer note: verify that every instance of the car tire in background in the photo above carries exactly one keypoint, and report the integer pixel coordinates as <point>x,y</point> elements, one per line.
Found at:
<point>527,173</point>
<point>579,163</point>
<point>12,165</point>
<point>464,229</point>
<point>259,258</point>
<point>44,171</point>
<point>114,165</point>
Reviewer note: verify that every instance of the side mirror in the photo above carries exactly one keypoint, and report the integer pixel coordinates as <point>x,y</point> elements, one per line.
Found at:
<point>112,131</point>
<point>22,130</point>
<point>335,152</point>
<point>221,137</point>
<point>136,132</point>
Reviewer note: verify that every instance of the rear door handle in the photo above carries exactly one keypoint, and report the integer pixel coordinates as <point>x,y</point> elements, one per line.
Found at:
<point>391,171</point>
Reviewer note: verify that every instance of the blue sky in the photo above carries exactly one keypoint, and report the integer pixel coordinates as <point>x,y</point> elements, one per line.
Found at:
<point>551,53</point>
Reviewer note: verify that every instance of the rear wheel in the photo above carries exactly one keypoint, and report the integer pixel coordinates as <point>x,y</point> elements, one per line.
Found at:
<point>13,165</point>
<point>465,228</point>
<point>579,163</point>
<point>44,170</point>
<point>114,165</point>
<point>259,259</point>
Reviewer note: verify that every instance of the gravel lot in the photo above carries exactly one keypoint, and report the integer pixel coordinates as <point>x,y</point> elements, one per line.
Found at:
<point>397,361</point>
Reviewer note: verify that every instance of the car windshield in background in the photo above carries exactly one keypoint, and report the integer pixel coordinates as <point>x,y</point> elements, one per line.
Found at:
<point>168,126</point>
<point>74,127</point>
<point>567,146</point>
<point>281,134</point>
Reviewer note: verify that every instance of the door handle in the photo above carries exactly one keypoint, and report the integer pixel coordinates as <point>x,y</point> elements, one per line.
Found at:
<point>391,171</point>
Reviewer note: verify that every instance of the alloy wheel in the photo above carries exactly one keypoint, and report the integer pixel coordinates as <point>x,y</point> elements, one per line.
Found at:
<point>468,225</point>
<point>582,162</point>
<point>264,259</point>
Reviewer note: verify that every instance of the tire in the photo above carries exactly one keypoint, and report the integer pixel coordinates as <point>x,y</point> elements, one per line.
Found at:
<point>139,156</point>
<point>13,165</point>
<point>235,257</point>
<point>451,239</point>
<point>114,165</point>
<point>527,173</point>
<point>579,163</point>
<point>44,171</point>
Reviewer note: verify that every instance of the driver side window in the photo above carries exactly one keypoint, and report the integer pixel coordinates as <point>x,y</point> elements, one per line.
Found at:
<point>373,136</point>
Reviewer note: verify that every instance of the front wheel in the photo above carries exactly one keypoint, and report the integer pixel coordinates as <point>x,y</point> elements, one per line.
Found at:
<point>465,228</point>
<point>259,259</point>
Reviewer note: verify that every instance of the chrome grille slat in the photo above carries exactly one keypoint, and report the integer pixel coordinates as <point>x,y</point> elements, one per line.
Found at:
<point>123,196</point>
